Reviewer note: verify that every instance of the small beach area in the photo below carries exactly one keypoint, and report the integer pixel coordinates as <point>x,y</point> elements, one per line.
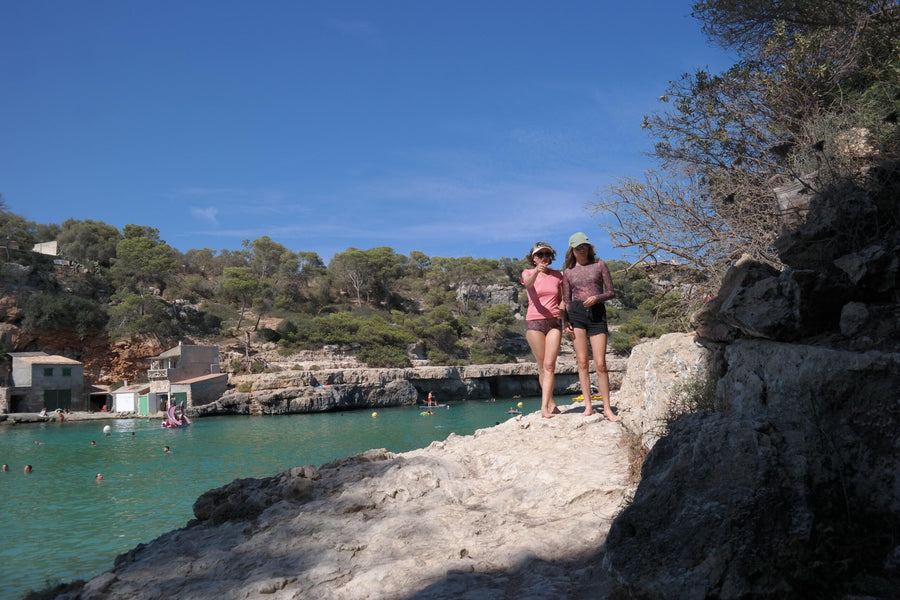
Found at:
<point>53,417</point>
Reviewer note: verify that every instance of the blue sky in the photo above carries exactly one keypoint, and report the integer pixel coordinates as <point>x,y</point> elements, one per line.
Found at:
<point>456,128</point>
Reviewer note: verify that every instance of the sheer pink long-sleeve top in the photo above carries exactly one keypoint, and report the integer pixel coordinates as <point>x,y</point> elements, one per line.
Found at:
<point>583,281</point>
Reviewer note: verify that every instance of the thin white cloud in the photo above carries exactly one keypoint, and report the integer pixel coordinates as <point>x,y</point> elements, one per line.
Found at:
<point>207,214</point>
<point>234,200</point>
<point>417,212</point>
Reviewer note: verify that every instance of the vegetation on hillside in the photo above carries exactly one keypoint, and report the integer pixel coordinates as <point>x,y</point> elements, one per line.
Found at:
<point>375,302</point>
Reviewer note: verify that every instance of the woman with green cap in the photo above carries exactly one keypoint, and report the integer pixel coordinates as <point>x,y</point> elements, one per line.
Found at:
<point>586,285</point>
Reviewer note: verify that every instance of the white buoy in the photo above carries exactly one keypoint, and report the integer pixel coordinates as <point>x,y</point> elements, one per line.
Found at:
<point>374,414</point>
<point>106,429</point>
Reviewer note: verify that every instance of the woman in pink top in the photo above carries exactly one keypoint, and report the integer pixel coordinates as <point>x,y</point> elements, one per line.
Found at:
<point>543,325</point>
<point>587,284</point>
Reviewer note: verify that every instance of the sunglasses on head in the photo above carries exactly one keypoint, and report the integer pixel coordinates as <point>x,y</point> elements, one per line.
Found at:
<point>542,255</point>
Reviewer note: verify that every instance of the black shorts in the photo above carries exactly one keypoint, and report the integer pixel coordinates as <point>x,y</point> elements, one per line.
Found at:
<point>592,318</point>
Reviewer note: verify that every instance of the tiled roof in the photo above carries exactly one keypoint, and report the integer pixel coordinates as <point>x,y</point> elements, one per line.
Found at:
<point>47,359</point>
<point>201,378</point>
<point>134,388</point>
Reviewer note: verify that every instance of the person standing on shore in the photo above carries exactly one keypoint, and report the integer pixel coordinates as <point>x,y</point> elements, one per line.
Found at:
<point>586,285</point>
<point>543,324</point>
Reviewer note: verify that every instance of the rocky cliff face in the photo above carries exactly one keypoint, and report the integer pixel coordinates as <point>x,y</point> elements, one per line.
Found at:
<point>791,488</point>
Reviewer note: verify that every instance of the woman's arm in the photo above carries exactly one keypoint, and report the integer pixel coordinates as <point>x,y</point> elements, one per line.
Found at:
<point>608,291</point>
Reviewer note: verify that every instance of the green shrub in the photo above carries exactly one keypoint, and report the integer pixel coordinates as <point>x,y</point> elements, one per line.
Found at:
<point>622,343</point>
<point>378,356</point>
<point>58,311</point>
<point>439,357</point>
<point>613,314</point>
<point>287,329</point>
<point>133,314</point>
<point>642,329</point>
<point>691,395</point>
<point>215,314</point>
<point>479,355</point>
<point>264,334</point>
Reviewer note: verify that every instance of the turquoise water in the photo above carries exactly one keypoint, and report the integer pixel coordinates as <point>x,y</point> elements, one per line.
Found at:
<point>60,524</point>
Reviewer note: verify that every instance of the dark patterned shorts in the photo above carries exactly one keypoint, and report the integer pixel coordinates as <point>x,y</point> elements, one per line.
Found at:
<point>543,325</point>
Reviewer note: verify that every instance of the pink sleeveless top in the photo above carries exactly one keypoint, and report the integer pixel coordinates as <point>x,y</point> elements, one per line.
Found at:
<point>543,296</point>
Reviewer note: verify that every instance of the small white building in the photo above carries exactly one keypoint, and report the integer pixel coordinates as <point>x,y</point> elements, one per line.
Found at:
<point>127,398</point>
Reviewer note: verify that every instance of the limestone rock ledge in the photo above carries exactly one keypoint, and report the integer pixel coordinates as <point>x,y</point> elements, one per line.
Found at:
<point>303,391</point>
<point>517,510</point>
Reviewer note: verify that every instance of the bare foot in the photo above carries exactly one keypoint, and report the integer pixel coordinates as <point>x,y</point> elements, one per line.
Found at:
<point>546,416</point>
<point>554,409</point>
<point>610,416</point>
<point>587,412</point>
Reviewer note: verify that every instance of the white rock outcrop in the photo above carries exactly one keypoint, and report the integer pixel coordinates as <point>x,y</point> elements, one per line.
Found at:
<point>519,510</point>
<point>656,370</point>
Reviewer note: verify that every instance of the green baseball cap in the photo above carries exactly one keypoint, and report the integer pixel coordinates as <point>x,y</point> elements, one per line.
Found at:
<point>578,239</point>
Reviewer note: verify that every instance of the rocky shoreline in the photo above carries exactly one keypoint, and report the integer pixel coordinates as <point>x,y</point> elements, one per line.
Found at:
<point>326,384</point>
<point>542,508</point>
<point>508,511</point>
<point>27,418</point>
<point>291,388</point>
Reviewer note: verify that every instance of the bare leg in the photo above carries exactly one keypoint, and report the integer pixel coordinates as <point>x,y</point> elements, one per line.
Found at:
<point>551,351</point>
<point>584,368</point>
<point>598,346</point>
<point>538,343</point>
